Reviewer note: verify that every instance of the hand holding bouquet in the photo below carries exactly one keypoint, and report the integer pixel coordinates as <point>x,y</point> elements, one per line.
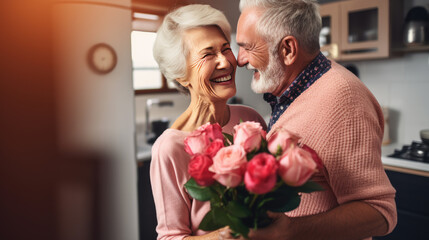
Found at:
<point>245,175</point>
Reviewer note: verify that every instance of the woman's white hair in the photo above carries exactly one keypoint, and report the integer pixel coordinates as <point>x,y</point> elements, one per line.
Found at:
<point>170,51</point>
<point>298,18</point>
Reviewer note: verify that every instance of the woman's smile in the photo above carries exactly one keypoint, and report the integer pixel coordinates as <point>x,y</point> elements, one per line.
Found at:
<point>223,80</point>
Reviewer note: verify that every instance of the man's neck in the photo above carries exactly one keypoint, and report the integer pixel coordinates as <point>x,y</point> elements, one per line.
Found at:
<point>293,71</point>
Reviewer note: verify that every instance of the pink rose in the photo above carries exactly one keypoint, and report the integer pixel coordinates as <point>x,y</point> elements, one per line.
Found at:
<point>296,166</point>
<point>249,135</point>
<point>281,140</point>
<point>198,168</point>
<point>214,147</point>
<point>314,155</point>
<point>229,165</point>
<point>213,131</point>
<point>196,143</point>
<point>260,176</point>
<point>200,139</point>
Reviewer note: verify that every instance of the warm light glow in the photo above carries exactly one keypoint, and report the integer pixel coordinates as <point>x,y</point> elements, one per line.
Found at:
<point>146,16</point>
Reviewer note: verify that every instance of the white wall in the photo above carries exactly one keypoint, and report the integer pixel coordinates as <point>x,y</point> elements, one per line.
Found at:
<point>96,112</point>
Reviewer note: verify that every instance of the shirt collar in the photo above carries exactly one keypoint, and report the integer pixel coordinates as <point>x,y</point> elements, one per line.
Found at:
<point>304,80</point>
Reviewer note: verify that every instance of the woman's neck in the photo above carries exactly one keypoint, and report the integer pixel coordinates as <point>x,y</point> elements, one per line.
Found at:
<point>200,112</point>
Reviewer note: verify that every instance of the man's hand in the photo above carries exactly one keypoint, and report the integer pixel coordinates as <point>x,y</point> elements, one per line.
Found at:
<point>276,230</point>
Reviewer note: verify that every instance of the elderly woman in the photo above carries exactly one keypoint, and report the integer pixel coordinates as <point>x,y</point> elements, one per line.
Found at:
<point>192,49</point>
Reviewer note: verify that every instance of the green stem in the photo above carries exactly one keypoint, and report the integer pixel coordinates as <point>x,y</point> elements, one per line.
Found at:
<point>253,200</point>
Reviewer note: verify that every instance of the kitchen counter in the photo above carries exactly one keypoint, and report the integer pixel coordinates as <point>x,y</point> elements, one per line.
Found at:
<point>143,149</point>
<point>402,165</point>
<point>144,152</point>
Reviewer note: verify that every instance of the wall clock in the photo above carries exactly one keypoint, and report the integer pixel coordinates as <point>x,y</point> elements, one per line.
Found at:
<point>102,58</point>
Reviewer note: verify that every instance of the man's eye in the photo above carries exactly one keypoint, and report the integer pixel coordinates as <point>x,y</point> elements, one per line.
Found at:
<point>227,49</point>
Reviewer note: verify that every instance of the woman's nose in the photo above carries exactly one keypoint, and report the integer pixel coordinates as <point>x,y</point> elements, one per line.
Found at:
<point>222,61</point>
<point>242,57</point>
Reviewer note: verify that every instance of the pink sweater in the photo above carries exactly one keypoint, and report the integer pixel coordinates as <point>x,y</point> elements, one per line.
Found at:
<point>339,118</point>
<point>177,213</point>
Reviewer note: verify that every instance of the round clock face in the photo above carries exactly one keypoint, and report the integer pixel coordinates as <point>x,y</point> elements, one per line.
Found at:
<point>102,58</point>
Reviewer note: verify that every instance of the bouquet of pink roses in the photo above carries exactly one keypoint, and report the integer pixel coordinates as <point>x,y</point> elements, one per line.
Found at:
<point>245,175</point>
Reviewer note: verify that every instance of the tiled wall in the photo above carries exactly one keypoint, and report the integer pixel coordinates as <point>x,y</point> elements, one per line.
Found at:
<point>402,85</point>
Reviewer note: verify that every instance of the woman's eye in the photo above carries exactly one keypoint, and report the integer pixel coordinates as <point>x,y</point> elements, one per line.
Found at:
<point>207,55</point>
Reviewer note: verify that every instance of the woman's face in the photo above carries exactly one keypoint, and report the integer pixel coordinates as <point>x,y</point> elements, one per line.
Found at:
<point>210,64</point>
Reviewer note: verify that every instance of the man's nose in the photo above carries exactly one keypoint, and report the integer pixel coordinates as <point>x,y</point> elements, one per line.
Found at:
<point>242,57</point>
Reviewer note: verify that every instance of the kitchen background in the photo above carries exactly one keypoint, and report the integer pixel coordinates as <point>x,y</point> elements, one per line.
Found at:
<point>400,84</point>
<point>67,134</point>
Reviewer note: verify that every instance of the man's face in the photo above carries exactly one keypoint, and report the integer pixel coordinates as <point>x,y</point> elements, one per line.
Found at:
<point>254,54</point>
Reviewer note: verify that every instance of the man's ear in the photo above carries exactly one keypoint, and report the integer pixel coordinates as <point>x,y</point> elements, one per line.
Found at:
<point>289,50</point>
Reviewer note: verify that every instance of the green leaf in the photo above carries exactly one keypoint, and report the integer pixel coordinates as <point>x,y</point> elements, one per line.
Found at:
<point>237,209</point>
<point>210,223</point>
<point>220,215</point>
<point>309,187</point>
<point>237,226</point>
<point>285,204</point>
<point>198,192</point>
<point>264,146</point>
<point>279,151</point>
<point>229,138</point>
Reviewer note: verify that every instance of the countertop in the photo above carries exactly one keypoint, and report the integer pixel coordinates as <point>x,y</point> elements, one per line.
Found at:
<point>144,152</point>
<point>401,165</point>
<point>143,149</point>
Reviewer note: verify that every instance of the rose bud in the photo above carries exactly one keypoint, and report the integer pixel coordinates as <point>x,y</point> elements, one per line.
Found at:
<point>229,165</point>
<point>314,155</point>
<point>249,135</point>
<point>260,176</point>
<point>281,140</point>
<point>296,166</point>
<point>198,168</point>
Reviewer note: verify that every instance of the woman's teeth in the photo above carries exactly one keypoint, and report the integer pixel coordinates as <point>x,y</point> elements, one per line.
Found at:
<point>222,79</point>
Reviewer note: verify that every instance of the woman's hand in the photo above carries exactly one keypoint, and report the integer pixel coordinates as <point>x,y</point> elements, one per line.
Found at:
<point>225,234</point>
<point>215,235</point>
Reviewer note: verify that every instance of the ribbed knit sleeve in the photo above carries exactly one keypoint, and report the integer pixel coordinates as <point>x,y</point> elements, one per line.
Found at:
<point>340,119</point>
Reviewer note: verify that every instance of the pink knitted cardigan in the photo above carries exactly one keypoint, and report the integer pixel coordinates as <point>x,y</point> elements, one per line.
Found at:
<point>339,118</point>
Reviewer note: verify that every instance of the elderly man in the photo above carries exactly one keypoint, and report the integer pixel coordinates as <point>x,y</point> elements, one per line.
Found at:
<point>331,110</point>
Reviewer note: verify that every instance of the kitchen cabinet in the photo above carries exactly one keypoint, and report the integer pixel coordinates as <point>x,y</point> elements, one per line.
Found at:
<point>360,29</point>
<point>412,198</point>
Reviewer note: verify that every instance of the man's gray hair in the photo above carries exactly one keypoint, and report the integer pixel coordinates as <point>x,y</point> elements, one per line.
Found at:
<point>170,50</point>
<point>298,18</point>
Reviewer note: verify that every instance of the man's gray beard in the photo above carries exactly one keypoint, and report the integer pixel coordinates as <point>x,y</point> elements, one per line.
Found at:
<point>269,80</point>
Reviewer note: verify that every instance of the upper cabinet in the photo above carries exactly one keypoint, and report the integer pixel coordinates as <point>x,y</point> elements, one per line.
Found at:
<point>359,29</point>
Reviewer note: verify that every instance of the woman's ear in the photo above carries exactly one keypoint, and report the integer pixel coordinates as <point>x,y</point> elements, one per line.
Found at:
<point>289,50</point>
<point>183,81</point>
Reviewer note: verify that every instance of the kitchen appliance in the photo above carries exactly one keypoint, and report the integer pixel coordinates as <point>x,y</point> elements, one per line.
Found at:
<point>416,28</point>
<point>417,151</point>
<point>424,135</point>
